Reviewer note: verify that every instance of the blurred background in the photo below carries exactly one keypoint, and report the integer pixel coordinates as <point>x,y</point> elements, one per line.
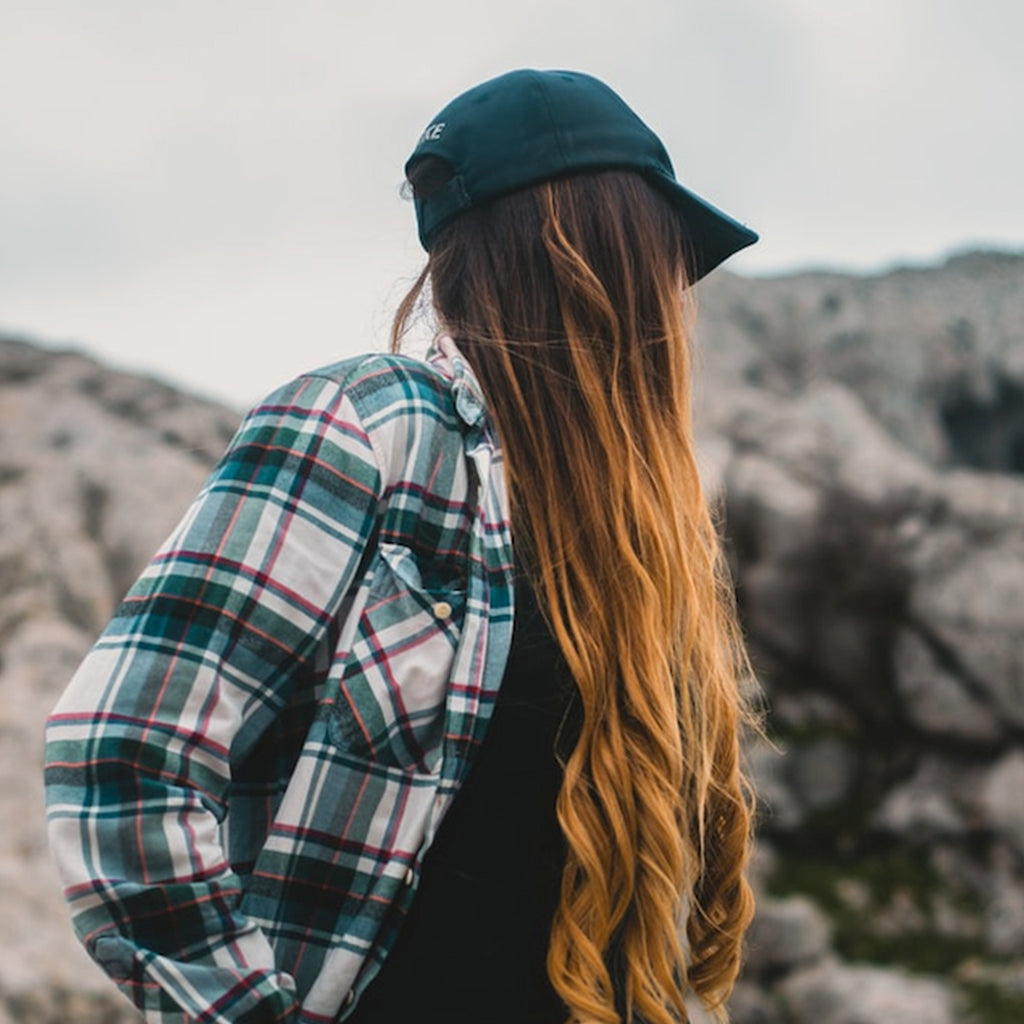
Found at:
<point>185,186</point>
<point>199,201</point>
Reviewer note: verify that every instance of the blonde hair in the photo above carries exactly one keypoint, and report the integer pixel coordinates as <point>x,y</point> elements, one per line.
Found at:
<point>567,299</point>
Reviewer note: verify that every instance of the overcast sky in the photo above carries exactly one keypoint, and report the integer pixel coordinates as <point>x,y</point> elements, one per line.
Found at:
<point>208,189</point>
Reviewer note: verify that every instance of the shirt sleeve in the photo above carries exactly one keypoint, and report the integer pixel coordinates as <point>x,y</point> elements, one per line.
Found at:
<point>201,653</point>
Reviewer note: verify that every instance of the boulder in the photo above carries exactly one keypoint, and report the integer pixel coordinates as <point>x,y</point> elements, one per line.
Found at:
<point>1001,797</point>
<point>834,993</point>
<point>938,699</point>
<point>778,807</point>
<point>823,772</point>
<point>929,805</point>
<point>970,615</point>
<point>787,934</point>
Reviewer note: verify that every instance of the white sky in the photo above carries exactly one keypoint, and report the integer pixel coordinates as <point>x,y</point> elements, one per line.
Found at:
<point>208,189</point>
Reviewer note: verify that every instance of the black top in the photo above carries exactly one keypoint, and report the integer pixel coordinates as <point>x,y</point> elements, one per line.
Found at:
<point>474,945</point>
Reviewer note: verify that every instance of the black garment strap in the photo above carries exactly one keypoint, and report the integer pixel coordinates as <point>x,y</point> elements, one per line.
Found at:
<point>474,945</point>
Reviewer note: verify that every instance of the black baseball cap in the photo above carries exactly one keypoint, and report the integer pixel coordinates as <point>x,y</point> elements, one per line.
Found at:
<point>527,126</point>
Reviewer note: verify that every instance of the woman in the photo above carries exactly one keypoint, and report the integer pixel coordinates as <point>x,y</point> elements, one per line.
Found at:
<point>250,777</point>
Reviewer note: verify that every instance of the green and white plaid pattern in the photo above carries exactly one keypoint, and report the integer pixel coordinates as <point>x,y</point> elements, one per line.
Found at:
<point>246,771</point>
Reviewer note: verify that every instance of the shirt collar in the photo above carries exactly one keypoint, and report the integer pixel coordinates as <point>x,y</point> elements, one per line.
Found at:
<point>466,390</point>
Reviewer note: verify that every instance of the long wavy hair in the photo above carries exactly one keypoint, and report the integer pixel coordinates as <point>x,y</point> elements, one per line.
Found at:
<point>568,301</point>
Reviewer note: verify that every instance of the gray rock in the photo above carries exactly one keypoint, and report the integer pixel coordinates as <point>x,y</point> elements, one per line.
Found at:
<point>750,1004</point>
<point>1001,797</point>
<point>778,510</point>
<point>974,610</point>
<point>58,1005</point>
<point>786,934</point>
<point>960,869</point>
<point>813,713</point>
<point>831,993</point>
<point>823,772</point>
<point>95,468</point>
<point>1004,916</point>
<point>1008,978</point>
<point>982,505</point>
<point>1004,920</point>
<point>778,806</point>
<point>927,806</point>
<point>861,566</point>
<point>934,353</point>
<point>815,496</point>
<point>825,437</point>
<point>761,866</point>
<point>937,700</point>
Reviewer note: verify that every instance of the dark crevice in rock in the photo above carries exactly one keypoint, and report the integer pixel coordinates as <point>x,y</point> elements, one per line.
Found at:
<point>10,620</point>
<point>831,303</point>
<point>11,474</point>
<point>876,711</point>
<point>986,433</point>
<point>950,662</point>
<point>121,567</point>
<point>76,611</point>
<point>94,500</point>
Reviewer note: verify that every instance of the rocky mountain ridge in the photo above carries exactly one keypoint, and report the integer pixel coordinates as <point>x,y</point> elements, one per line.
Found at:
<point>866,436</point>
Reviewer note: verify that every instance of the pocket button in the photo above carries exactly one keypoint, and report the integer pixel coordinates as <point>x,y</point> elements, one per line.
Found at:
<point>442,609</point>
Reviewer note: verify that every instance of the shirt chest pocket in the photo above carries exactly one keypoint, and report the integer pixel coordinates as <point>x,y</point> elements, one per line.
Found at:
<point>390,702</point>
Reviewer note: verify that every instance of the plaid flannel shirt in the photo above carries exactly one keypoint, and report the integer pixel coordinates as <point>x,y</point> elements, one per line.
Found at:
<point>247,769</point>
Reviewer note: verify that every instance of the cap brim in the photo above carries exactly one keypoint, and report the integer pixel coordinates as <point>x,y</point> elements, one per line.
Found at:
<point>711,235</point>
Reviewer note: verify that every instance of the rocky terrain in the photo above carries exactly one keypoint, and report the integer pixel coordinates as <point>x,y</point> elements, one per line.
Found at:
<point>95,469</point>
<point>866,437</point>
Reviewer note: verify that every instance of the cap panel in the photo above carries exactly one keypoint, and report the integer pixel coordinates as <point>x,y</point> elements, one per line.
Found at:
<point>484,122</point>
<point>596,125</point>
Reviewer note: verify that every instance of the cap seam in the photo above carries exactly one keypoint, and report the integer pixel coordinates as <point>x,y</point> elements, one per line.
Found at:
<point>546,97</point>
